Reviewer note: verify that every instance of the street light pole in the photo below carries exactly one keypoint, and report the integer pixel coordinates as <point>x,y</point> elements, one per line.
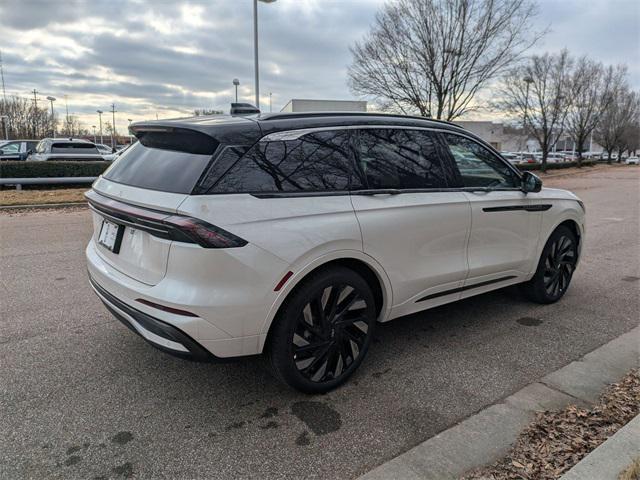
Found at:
<point>236,82</point>
<point>113,125</point>
<point>270,102</point>
<point>255,48</point>
<point>94,134</point>
<point>53,122</point>
<point>130,136</point>
<point>100,116</point>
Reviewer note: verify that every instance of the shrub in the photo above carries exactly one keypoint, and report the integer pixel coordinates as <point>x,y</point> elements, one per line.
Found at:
<point>51,169</point>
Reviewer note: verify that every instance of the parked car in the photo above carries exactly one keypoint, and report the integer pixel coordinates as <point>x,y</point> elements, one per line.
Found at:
<point>293,234</point>
<point>104,149</point>
<point>631,161</point>
<point>17,149</point>
<point>65,149</point>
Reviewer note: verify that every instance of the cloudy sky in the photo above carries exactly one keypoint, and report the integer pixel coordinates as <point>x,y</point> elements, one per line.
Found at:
<point>167,57</point>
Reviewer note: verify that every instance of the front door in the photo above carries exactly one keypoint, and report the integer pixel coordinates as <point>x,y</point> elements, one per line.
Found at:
<point>505,223</point>
<point>410,223</point>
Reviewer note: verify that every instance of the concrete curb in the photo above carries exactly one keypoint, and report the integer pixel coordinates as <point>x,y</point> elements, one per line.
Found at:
<point>487,436</point>
<point>41,206</point>
<point>612,457</point>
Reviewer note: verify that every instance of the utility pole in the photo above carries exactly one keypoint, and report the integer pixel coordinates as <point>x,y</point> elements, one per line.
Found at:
<point>4,94</point>
<point>35,113</point>
<point>100,112</point>
<point>113,126</point>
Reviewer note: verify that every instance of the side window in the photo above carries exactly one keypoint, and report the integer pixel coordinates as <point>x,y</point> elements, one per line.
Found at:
<point>11,148</point>
<point>478,166</point>
<point>400,158</point>
<point>316,162</point>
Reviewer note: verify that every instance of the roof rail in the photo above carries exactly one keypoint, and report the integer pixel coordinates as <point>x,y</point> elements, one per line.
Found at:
<point>288,115</point>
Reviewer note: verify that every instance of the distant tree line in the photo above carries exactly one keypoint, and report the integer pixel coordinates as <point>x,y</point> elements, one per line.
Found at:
<point>21,118</point>
<point>432,57</point>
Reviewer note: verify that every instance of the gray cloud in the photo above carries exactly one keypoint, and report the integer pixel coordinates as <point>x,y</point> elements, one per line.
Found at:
<point>171,57</point>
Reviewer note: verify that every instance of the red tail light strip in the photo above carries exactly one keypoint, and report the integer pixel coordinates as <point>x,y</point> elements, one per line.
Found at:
<point>180,228</point>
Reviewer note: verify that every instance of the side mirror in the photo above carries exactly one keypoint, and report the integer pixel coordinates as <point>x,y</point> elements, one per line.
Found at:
<point>531,182</point>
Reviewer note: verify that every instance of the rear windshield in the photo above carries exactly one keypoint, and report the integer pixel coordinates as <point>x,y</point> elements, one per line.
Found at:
<point>158,169</point>
<point>73,148</point>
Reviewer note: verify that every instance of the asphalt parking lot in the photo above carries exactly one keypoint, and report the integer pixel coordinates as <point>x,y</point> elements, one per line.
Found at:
<point>82,397</point>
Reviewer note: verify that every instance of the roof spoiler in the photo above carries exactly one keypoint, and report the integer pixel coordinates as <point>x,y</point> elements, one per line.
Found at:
<point>243,109</point>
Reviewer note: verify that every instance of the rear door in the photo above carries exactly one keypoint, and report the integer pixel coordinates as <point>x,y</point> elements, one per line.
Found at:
<point>411,223</point>
<point>505,228</point>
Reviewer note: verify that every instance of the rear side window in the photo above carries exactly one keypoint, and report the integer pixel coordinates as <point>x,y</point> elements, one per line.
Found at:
<point>316,162</point>
<point>158,169</point>
<point>74,148</point>
<point>400,159</point>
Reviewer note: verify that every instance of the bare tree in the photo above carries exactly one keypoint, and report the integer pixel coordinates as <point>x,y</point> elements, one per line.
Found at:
<point>618,117</point>
<point>433,56</point>
<point>537,92</point>
<point>589,93</point>
<point>24,120</point>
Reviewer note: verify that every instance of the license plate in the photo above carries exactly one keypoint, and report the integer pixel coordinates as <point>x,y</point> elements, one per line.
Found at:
<point>111,236</point>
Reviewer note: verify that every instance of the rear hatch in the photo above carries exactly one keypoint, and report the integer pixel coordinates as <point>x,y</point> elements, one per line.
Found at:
<point>136,199</point>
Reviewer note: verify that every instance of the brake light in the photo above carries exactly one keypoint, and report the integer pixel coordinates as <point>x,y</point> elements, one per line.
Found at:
<point>180,228</point>
<point>205,234</point>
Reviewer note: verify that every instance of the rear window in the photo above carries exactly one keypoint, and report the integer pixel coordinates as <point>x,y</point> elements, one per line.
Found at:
<point>75,148</point>
<point>317,162</point>
<point>158,169</point>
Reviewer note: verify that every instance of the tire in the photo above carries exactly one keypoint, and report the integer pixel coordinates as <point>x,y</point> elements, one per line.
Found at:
<point>555,268</point>
<point>323,331</point>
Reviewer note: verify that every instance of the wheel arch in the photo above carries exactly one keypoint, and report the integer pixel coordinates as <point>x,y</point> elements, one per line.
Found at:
<point>366,266</point>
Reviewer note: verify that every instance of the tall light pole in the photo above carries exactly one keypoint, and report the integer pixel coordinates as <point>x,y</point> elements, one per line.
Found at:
<point>113,125</point>
<point>236,82</point>
<point>255,47</point>
<point>53,121</point>
<point>100,117</point>
<point>130,136</point>
<point>94,134</point>
<point>270,102</point>
<point>528,81</point>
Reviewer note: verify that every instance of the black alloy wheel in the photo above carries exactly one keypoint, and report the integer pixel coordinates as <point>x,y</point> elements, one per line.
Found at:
<point>559,266</point>
<point>555,267</point>
<point>323,331</point>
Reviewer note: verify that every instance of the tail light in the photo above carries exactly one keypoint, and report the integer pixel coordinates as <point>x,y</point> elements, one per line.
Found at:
<point>180,228</point>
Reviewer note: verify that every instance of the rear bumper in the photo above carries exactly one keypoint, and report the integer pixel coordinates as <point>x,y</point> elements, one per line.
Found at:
<point>156,332</point>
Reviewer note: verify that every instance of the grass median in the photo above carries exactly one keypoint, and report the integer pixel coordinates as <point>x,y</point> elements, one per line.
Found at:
<point>42,196</point>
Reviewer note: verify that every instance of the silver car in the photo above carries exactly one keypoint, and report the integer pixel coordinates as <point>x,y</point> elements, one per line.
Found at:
<point>61,149</point>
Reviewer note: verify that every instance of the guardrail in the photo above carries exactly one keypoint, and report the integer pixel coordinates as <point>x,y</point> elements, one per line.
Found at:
<point>18,182</point>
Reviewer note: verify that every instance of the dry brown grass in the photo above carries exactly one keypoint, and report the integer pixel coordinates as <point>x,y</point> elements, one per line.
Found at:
<point>36,197</point>
<point>632,472</point>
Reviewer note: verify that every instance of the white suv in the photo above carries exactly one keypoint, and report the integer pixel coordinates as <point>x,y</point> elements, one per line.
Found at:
<point>293,234</point>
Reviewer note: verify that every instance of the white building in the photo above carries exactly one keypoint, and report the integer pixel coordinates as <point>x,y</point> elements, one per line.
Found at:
<point>306,105</point>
